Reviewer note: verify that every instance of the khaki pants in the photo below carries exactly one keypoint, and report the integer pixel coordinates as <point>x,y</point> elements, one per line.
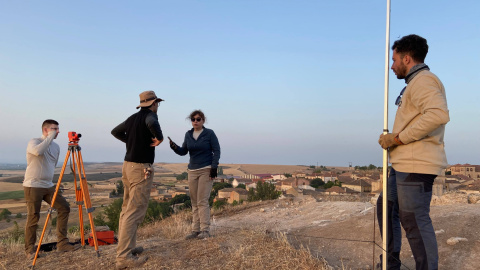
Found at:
<point>200,186</point>
<point>135,202</point>
<point>34,197</point>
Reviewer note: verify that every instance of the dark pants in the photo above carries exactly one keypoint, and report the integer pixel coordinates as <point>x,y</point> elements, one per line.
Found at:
<point>34,198</point>
<point>414,193</point>
<point>394,231</point>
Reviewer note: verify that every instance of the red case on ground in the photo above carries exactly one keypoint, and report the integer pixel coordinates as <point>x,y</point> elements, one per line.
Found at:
<point>103,238</point>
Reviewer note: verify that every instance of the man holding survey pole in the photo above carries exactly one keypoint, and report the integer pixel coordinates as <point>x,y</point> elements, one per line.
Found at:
<point>416,152</point>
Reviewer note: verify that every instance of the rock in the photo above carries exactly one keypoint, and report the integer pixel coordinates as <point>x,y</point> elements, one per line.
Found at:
<point>439,231</point>
<point>473,198</point>
<point>454,240</point>
<point>262,210</point>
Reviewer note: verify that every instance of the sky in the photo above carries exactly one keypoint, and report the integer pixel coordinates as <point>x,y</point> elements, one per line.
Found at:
<point>280,82</point>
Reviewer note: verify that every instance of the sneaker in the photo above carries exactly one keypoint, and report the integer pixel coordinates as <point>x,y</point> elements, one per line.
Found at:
<point>67,247</point>
<point>136,251</point>
<point>203,235</point>
<point>192,235</point>
<point>130,262</point>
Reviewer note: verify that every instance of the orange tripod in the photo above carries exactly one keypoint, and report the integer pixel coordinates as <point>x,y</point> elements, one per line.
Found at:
<point>82,196</point>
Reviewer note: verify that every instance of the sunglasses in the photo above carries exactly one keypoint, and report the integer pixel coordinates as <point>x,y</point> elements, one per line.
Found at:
<point>196,119</point>
<point>399,98</point>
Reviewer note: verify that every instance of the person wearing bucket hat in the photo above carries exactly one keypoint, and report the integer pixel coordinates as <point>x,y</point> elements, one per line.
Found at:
<point>147,98</point>
<point>141,132</point>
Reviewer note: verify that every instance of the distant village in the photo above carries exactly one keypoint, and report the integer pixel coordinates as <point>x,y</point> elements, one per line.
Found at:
<point>352,184</point>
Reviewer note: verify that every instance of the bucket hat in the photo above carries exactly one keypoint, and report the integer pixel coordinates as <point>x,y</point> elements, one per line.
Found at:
<point>147,98</point>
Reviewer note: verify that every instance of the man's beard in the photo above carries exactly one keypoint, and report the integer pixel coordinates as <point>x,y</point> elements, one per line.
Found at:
<point>402,72</point>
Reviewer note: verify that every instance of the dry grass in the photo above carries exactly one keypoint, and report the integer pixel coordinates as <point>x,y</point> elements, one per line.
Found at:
<point>173,227</point>
<point>166,249</point>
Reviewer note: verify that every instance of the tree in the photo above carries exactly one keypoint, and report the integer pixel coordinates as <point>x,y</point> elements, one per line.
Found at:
<point>331,184</point>
<point>264,191</point>
<point>120,188</point>
<point>219,185</point>
<point>372,167</point>
<point>157,211</point>
<point>287,175</point>
<point>181,198</point>
<point>182,176</point>
<point>242,186</point>
<point>317,182</point>
<point>112,213</point>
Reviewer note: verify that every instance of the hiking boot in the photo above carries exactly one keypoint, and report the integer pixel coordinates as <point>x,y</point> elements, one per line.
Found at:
<point>136,251</point>
<point>192,235</point>
<point>203,235</point>
<point>130,262</point>
<point>31,255</point>
<point>67,247</point>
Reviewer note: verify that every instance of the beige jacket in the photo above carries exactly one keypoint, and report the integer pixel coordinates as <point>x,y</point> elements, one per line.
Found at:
<point>420,120</point>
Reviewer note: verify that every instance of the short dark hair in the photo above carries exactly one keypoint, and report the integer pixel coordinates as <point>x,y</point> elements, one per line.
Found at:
<point>49,122</point>
<point>199,112</point>
<point>413,45</point>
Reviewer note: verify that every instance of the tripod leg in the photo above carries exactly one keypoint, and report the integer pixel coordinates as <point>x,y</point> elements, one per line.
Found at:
<point>78,195</point>
<point>51,207</point>
<point>86,197</point>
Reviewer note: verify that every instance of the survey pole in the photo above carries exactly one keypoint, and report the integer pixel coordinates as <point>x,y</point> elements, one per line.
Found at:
<point>385,151</point>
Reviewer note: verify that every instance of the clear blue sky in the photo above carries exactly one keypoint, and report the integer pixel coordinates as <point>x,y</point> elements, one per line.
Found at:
<point>281,82</point>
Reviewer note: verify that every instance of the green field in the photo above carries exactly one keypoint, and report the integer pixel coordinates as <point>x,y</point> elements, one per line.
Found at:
<point>18,194</point>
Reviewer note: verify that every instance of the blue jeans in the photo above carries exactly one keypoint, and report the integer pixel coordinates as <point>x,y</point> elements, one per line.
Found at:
<point>413,195</point>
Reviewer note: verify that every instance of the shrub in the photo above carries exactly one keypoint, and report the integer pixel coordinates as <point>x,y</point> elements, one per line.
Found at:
<point>317,182</point>
<point>264,191</point>
<point>17,235</point>
<point>219,204</point>
<point>157,211</point>
<point>5,214</point>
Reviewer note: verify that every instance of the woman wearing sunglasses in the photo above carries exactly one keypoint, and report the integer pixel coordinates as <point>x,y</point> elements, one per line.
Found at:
<point>204,149</point>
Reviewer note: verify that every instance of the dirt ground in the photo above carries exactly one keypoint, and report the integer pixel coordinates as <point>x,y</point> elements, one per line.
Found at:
<point>342,232</point>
